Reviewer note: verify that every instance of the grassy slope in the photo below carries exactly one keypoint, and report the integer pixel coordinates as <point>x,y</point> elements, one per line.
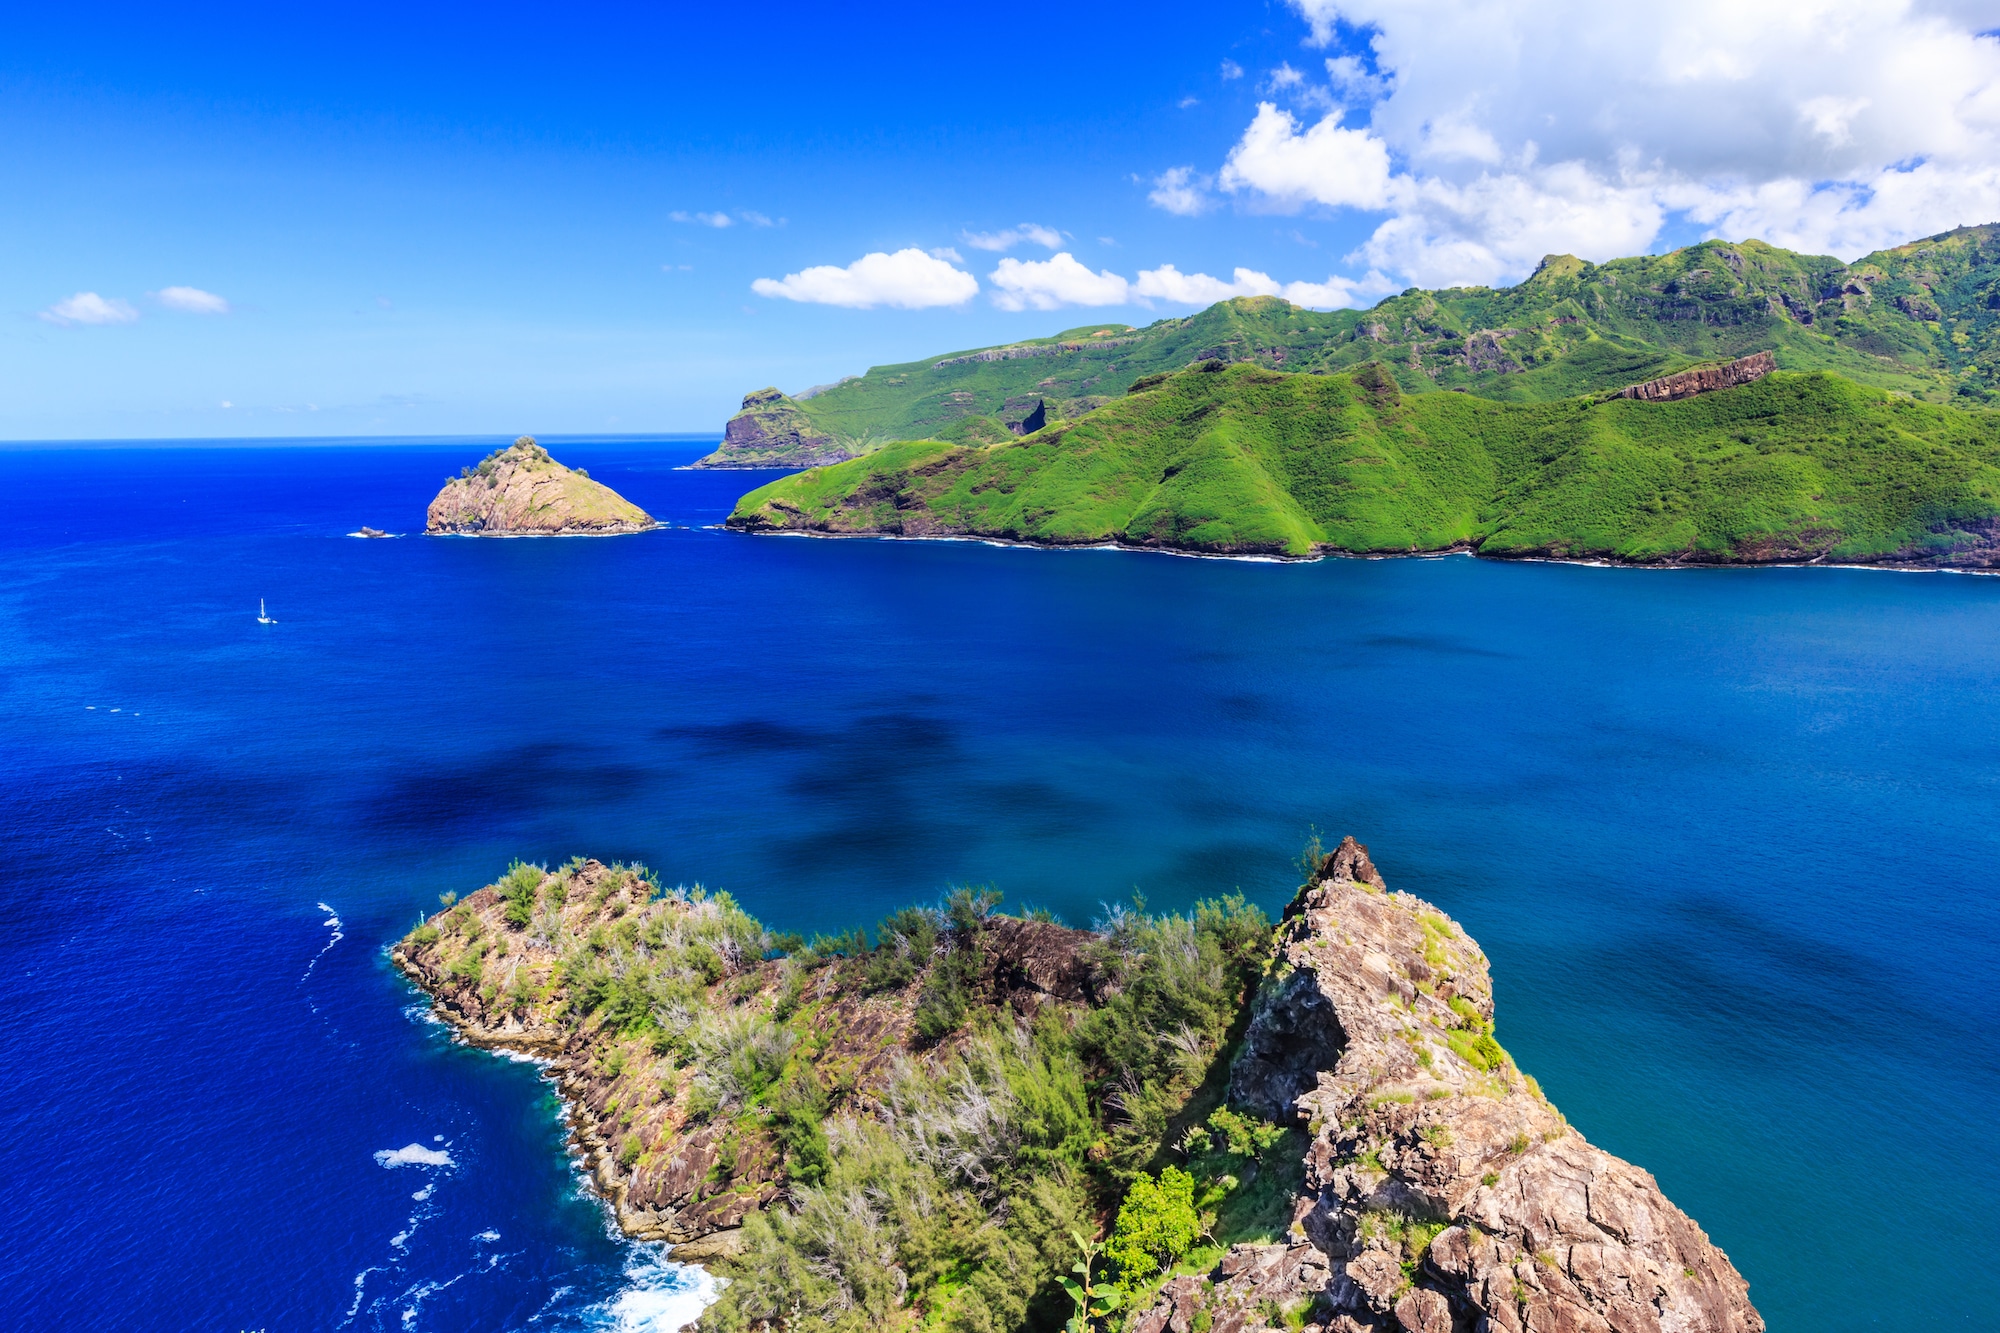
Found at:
<point>1248,460</point>
<point>1922,318</point>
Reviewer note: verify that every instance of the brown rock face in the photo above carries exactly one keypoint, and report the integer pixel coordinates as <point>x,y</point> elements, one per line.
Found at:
<point>771,430</point>
<point>1443,1193</point>
<point>1703,379</point>
<point>521,492</point>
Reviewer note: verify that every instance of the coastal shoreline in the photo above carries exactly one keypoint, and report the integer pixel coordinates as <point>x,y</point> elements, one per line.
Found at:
<point>1447,552</point>
<point>600,1166</point>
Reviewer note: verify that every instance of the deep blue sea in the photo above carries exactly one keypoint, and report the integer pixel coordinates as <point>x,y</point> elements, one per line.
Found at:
<point>1728,837</point>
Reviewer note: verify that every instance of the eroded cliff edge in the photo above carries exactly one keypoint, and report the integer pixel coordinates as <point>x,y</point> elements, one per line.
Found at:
<point>1443,1193</point>
<point>520,491</point>
<point>906,1132</point>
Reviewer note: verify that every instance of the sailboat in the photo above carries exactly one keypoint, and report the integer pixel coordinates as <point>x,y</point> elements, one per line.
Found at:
<point>262,617</point>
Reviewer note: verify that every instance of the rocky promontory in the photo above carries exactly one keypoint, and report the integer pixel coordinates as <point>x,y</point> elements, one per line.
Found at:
<point>1308,1127</point>
<point>1442,1191</point>
<point>520,491</point>
<point>772,430</point>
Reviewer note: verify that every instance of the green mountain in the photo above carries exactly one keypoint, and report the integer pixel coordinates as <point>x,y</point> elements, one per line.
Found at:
<point>1922,319</point>
<point>1239,459</point>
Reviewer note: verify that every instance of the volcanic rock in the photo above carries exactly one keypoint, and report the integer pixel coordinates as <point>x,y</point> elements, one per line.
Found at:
<point>520,491</point>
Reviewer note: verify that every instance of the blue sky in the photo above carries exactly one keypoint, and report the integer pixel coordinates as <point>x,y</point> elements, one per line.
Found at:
<point>377,220</point>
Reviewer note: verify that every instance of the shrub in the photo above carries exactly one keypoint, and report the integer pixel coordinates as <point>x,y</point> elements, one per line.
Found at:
<point>904,943</point>
<point>798,1114</point>
<point>519,887</point>
<point>1157,1224</point>
<point>630,1152</point>
<point>424,936</point>
<point>947,994</point>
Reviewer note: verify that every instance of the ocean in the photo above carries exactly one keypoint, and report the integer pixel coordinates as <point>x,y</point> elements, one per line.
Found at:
<point>1728,837</point>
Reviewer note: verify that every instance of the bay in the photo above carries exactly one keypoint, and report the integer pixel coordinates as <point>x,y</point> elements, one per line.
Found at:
<point>1728,837</point>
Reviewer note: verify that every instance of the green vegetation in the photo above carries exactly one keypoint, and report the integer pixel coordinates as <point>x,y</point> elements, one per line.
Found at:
<point>1157,1225</point>
<point>952,1205</point>
<point>1923,318</point>
<point>1242,459</point>
<point>916,1140</point>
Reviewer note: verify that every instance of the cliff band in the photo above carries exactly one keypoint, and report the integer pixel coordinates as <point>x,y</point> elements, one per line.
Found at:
<point>1703,379</point>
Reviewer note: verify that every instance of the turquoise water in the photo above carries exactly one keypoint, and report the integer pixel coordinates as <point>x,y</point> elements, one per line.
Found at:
<point>1727,836</point>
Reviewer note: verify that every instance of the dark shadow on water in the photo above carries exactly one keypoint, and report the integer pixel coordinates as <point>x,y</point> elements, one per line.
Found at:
<point>509,784</point>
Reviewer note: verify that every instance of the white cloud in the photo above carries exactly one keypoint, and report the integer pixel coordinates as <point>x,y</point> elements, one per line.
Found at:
<point>948,253</point>
<point>1494,131</point>
<point>1231,70</point>
<point>1284,76</point>
<point>705,219</point>
<point>89,308</point>
<point>906,280</point>
<point>1044,284</point>
<point>1046,237</point>
<point>1180,190</point>
<point>1062,281</point>
<point>191,300</point>
<point>1325,164</point>
<point>1167,283</point>
<point>756,219</point>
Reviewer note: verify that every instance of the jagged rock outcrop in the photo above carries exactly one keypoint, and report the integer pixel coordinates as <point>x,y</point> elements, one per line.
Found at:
<point>1443,1193</point>
<point>1703,379</point>
<point>520,491</point>
<point>772,430</point>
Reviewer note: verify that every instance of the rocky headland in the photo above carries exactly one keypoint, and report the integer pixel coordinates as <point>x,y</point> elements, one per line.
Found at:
<point>520,491</point>
<point>1309,1127</point>
<point>771,430</point>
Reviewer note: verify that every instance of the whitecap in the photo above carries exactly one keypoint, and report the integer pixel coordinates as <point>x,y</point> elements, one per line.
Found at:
<point>415,1154</point>
<point>488,1236</point>
<point>333,923</point>
<point>660,1296</point>
<point>424,1193</point>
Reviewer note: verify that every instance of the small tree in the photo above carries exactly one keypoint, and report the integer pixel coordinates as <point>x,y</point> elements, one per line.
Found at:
<point>1157,1224</point>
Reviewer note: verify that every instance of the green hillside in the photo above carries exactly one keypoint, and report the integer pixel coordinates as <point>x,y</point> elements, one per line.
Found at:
<point>1245,459</point>
<point>1923,318</point>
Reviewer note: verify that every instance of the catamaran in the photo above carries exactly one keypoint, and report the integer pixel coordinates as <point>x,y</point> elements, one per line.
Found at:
<point>262,617</point>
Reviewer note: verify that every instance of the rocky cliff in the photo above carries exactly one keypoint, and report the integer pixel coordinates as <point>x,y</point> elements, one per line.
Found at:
<point>520,491</point>
<point>1443,1193</point>
<point>1703,379</point>
<point>906,1134</point>
<point>771,430</point>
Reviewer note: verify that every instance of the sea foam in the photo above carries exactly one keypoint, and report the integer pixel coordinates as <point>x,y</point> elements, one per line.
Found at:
<point>416,1154</point>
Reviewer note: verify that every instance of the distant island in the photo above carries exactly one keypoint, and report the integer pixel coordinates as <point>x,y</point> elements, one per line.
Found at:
<point>1921,319</point>
<point>520,491</point>
<point>981,1121</point>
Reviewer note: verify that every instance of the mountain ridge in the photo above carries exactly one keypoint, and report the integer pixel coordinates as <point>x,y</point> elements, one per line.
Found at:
<point>1922,318</point>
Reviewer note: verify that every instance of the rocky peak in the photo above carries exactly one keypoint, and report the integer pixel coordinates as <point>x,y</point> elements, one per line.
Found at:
<point>520,491</point>
<point>771,430</point>
<point>1443,1193</point>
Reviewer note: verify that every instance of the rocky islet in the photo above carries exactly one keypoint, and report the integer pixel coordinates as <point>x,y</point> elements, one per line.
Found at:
<point>520,491</point>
